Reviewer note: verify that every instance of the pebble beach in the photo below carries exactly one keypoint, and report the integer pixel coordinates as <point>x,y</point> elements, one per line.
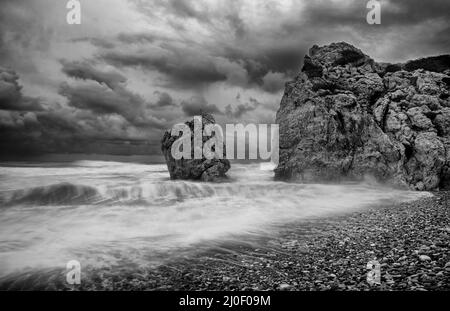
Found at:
<point>409,240</point>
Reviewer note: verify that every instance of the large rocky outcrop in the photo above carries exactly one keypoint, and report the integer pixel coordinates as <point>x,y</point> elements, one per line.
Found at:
<point>345,117</point>
<point>199,169</point>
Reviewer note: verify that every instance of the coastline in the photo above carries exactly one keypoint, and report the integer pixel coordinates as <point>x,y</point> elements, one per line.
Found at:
<point>321,254</point>
<point>410,240</point>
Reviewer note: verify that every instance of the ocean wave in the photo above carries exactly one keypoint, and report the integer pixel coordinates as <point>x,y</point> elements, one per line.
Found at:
<point>146,193</point>
<point>73,194</point>
<point>57,194</point>
<point>251,185</point>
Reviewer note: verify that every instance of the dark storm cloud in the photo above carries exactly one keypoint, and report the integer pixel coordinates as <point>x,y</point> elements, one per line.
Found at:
<point>353,13</point>
<point>198,104</point>
<point>136,38</point>
<point>276,58</point>
<point>98,42</point>
<point>98,98</point>
<point>256,53</point>
<point>11,97</point>
<point>103,100</point>
<point>39,132</point>
<point>67,131</point>
<point>28,127</point>
<point>190,67</point>
<point>61,132</point>
<point>189,62</point>
<point>396,17</point>
<point>186,8</point>
<point>86,71</point>
<point>281,50</point>
<point>164,100</point>
<point>104,92</point>
<point>185,68</point>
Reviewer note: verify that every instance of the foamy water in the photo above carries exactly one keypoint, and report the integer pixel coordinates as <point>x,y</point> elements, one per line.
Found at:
<point>108,213</point>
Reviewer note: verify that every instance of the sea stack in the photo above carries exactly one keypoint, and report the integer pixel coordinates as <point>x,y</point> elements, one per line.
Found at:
<point>346,116</point>
<point>210,170</point>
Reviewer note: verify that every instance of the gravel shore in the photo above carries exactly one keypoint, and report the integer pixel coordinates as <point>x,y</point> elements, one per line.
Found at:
<point>410,241</point>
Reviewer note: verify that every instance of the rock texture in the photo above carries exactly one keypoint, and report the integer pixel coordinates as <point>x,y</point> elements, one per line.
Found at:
<point>345,117</point>
<point>200,169</point>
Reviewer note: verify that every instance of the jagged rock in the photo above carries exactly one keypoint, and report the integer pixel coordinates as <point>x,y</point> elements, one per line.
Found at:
<point>346,116</point>
<point>210,170</point>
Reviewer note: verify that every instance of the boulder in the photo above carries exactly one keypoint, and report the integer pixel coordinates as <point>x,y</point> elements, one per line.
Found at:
<point>210,170</point>
<point>345,117</point>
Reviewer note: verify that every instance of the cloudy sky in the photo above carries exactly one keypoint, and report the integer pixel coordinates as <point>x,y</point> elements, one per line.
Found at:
<point>133,68</point>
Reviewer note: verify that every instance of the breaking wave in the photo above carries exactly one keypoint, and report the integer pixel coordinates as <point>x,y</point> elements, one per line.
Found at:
<point>58,194</point>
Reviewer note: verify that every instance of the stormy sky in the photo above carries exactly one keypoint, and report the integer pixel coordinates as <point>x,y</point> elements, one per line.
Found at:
<point>133,68</point>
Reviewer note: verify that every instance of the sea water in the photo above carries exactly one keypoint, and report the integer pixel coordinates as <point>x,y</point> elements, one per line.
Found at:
<point>106,214</point>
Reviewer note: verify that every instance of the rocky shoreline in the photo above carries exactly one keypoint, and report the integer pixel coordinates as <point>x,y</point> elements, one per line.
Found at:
<point>411,241</point>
